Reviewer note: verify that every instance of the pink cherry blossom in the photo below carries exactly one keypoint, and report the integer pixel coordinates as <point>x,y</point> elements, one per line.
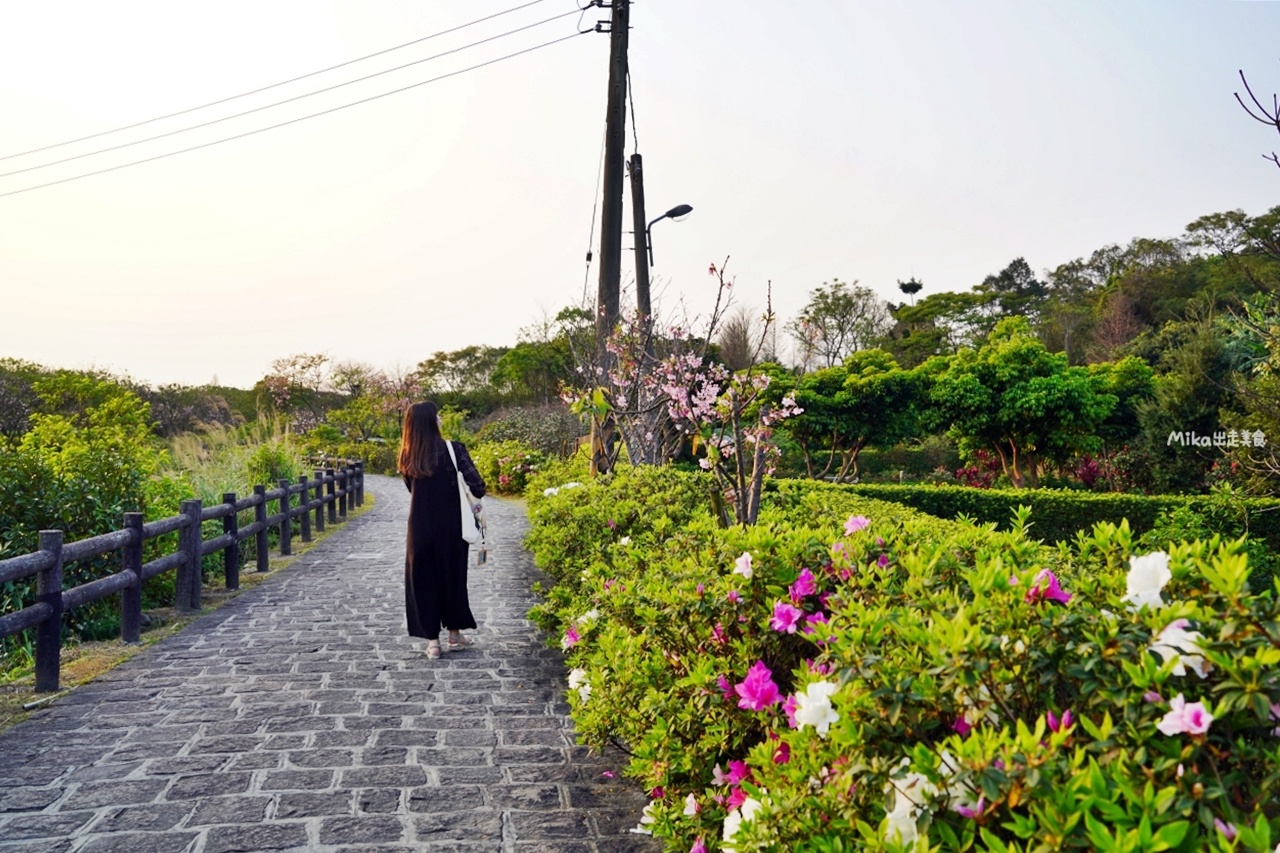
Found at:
<point>1185,718</point>
<point>758,691</point>
<point>1050,591</point>
<point>785,617</point>
<point>805,585</point>
<point>856,523</point>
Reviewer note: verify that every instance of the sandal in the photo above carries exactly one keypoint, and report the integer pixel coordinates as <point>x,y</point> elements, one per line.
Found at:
<point>461,641</point>
<point>433,650</point>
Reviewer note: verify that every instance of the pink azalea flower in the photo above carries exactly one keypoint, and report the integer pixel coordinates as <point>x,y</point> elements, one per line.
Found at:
<point>1275,717</point>
<point>856,523</point>
<point>698,846</point>
<point>1227,829</point>
<point>717,633</point>
<point>608,774</point>
<point>883,560</point>
<point>1049,592</point>
<point>658,793</point>
<point>1185,718</point>
<point>961,726</point>
<point>725,687</point>
<point>813,619</point>
<point>758,691</point>
<point>1056,725</point>
<point>571,638</point>
<point>1152,697</point>
<point>879,541</point>
<point>742,565</point>
<point>785,617</point>
<point>718,776</point>
<point>739,772</point>
<point>782,754</point>
<point>734,596</point>
<point>789,707</point>
<point>975,812</point>
<point>700,589</point>
<point>736,798</point>
<point>804,585</point>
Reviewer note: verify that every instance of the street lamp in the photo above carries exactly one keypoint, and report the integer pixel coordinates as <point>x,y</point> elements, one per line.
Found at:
<point>677,213</point>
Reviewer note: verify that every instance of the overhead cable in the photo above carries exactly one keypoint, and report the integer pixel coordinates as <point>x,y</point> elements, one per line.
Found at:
<point>281,103</point>
<point>296,120</point>
<point>276,85</point>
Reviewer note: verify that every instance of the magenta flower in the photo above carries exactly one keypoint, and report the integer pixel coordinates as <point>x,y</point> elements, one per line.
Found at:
<point>717,634</point>
<point>1227,829</point>
<point>856,523</point>
<point>698,846</point>
<point>785,617</point>
<point>571,638</point>
<point>813,619</point>
<point>961,726</point>
<point>789,707</point>
<point>700,590</point>
<point>739,772</point>
<point>734,596</point>
<point>975,812</point>
<point>1056,725</point>
<point>804,585</point>
<point>1050,591</point>
<point>725,687</point>
<point>758,691</point>
<point>658,793</point>
<point>1152,697</point>
<point>883,560</point>
<point>736,798</point>
<point>782,754</point>
<point>1185,718</point>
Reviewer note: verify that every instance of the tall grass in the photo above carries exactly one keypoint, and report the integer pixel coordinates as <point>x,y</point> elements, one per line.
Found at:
<point>235,459</point>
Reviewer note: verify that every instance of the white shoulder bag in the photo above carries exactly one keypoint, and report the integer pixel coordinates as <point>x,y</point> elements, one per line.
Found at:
<point>471,506</point>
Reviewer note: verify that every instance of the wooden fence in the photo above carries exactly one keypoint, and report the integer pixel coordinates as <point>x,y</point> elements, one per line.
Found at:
<point>335,489</point>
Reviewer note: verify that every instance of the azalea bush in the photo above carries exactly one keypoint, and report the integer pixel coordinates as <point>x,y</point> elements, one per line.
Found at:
<point>852,675</point>
<point>505,466</point>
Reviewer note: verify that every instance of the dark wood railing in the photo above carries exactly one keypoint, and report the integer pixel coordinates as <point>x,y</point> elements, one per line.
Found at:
<point>335,490</point>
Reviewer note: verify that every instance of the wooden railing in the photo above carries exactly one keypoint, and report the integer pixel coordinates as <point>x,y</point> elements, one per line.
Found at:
<point>335,490</point>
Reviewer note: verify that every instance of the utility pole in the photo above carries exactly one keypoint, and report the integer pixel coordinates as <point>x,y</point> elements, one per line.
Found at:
<point>604,431</point>
<point>642,236</point>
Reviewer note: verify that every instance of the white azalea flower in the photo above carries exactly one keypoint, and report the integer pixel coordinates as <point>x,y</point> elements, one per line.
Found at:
<point>734,820</point>
<point>909,794</point>
<point>578,681</point>
<point>591,614</point>
<point>571,485</point>
<point>1147,576</point>
<point>625,540</point>
<point>647,819</point>
<point>691,806</point>
<point>1175,643</point>
<point>742,565</point>
<point>813,707</point>
<point>550,490</point>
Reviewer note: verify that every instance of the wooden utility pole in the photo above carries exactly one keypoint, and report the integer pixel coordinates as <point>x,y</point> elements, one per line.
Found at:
<point>642,236</point>
<point>604,433</point>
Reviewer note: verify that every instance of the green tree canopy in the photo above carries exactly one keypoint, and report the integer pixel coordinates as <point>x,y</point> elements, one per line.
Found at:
<point>1014,397</point>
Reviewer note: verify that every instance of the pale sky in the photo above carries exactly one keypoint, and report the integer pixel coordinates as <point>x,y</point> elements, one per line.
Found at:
<point>848,139</point>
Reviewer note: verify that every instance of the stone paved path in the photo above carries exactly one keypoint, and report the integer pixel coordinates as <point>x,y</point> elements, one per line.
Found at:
<point>299,716</point>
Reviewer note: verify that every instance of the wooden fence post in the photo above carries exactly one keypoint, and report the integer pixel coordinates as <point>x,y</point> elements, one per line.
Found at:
<point>342,493</point>
<point>260,518</point>
<point>131,598</point>
<point>360,483</point>
<point>49,634</point>
<point>189,541</point>
<point>320,498</point>
<point>286,527</point>
<point>231,554</point>
<point>332,476</point>
<point>304,514</point>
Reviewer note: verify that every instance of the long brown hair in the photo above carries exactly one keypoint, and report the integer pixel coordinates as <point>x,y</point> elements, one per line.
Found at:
<point>420,440</point>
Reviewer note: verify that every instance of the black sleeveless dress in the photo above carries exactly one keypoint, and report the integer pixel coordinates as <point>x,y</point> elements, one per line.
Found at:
<point>435,563</point>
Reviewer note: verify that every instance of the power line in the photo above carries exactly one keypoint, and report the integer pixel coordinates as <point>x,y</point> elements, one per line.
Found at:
<point>285,101</point>
<point>276,85</point>
<point>296,120</point>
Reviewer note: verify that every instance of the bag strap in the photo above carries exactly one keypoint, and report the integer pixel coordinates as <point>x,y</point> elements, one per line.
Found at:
<point>449,444</point>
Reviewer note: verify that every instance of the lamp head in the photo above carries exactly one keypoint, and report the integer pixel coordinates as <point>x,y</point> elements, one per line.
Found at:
<point>679,212</point>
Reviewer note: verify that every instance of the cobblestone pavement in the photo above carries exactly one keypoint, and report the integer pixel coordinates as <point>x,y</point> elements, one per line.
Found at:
<point>300,716</point>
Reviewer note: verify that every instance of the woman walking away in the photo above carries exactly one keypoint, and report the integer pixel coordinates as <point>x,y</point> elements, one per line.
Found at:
<point>435,561</point>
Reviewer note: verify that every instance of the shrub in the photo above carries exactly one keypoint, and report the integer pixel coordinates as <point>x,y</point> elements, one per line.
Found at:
<point>505,466</point>
<point>804,690</point>
<point>552,430</point>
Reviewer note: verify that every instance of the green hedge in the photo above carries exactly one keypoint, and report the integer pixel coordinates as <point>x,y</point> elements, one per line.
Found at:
<point>1057,514</point>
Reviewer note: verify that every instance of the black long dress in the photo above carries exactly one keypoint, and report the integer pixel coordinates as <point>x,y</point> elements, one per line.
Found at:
<point>435,563</point>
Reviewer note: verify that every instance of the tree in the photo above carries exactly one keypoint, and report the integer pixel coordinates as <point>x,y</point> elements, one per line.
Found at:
<point>1016,290</point>
<point>1262,114</point>
<point>838,320</point>
<point>867,401</point>
<point>939,324</point>
<point>911,287</point>
<point>1017,399</point>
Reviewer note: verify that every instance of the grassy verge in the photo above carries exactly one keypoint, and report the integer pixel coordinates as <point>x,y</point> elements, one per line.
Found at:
<point>83,662</point>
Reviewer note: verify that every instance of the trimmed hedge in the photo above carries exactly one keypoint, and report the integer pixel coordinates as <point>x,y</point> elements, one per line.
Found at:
<point>1058,514</point>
